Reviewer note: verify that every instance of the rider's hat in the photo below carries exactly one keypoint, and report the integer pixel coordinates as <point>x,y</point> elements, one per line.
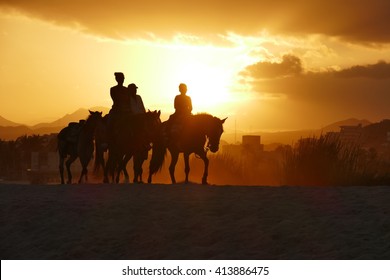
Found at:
<point>132,85</point>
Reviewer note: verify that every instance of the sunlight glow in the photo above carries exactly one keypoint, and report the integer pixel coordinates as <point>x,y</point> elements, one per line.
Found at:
<point>208,85</point>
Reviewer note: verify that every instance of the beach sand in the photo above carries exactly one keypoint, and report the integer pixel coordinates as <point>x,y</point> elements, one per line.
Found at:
<point>101,221</point>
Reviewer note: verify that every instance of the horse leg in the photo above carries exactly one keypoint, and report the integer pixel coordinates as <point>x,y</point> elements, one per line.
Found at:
<point>99,157</point>
<point>118,169</point>
<point>68,163</point>
<point>123,167</point>
<point>84,172</point>
<point>61,167</point>
<point>111,166</point>
<point>140,171</point>
<point>174,158</point>
<point>112,170</point>
<point>187,165</point>
<point>125,174</point>
<point>138,159</point>
<point>107,168</point>
<point>206,168</point>
<point>143,156</point>
<point>118,174</point>
<point>135,168</point>
<point>150,174</point>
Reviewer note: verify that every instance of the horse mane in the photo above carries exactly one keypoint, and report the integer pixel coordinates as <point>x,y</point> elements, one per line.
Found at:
<point>205,116</point>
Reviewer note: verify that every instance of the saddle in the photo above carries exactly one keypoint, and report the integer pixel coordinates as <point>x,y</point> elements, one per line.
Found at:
<point>120,123</point>
<point>174,129</point>
<point>73,131</point>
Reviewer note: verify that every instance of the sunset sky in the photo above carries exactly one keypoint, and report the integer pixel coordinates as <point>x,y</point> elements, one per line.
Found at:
<point>266,65</point>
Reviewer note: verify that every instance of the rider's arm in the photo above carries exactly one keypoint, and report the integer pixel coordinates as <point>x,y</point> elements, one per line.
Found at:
<point>189,104</point>
<point>176,102</point>
<point>112,94</point>
<point>141,104</point>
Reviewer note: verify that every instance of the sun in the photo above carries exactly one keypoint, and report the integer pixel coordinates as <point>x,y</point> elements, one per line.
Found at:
<point>208,86</point>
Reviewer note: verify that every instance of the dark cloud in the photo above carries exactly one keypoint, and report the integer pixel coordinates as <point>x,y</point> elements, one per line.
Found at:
<point>290,65</point>
<point>361,90</point>
<point>364,21</point>
<point>380,70</point>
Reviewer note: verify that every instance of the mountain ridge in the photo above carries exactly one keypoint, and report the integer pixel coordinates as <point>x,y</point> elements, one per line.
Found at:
<point>6,122</point>
<point>11,132</point>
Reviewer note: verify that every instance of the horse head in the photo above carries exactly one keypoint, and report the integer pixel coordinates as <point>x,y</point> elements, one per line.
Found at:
<point>94,117</point>
<point>153,123</point>
<point>214,134</point>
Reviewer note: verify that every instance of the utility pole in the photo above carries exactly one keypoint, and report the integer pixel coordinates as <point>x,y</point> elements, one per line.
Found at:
<point>235,131</point>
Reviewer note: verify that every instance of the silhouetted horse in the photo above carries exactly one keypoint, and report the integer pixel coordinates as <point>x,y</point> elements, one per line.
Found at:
<point>133,138</point>
<point>101,147</point>
<point>199,134</point>
<point>76,141</point>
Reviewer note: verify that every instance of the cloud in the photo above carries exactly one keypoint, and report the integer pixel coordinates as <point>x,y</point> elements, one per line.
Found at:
<point>290,65</point>
<point>380,70</point>
<point>349,19</point>
<point>360,90</point>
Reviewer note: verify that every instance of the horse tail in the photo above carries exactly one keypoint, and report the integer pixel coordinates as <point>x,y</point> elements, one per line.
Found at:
<point>96,164</point>
<point>99,157</point>
<point>61,142</point>
<point>159,151</point>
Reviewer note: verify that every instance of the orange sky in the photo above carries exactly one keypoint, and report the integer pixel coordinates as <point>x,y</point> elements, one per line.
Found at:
<point>267,65</point>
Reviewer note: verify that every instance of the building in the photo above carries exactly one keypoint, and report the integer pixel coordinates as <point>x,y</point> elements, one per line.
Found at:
<point>251,144</point>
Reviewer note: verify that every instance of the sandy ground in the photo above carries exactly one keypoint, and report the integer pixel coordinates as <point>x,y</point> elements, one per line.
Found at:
<point>99,221</point>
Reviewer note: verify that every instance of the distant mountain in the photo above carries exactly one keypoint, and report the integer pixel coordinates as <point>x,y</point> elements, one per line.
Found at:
<point>336,126</point>
<point>5,122</point>
<point>376,134</point>
<point>289,137</point>
<point>80,114</point>
<point>10,130</point>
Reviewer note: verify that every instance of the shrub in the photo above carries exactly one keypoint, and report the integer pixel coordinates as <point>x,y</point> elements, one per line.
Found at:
<point>326,160</point>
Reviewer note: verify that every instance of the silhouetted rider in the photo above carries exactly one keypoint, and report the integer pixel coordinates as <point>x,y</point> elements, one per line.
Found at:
<point>183,109</point>
<point>136,103</point>
<point>137,107</point>
<point>120,95</point>
<point>121,103</point>
<point>183,103</point>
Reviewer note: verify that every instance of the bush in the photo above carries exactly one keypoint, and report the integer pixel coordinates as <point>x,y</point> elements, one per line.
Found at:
<point>326,160</point>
